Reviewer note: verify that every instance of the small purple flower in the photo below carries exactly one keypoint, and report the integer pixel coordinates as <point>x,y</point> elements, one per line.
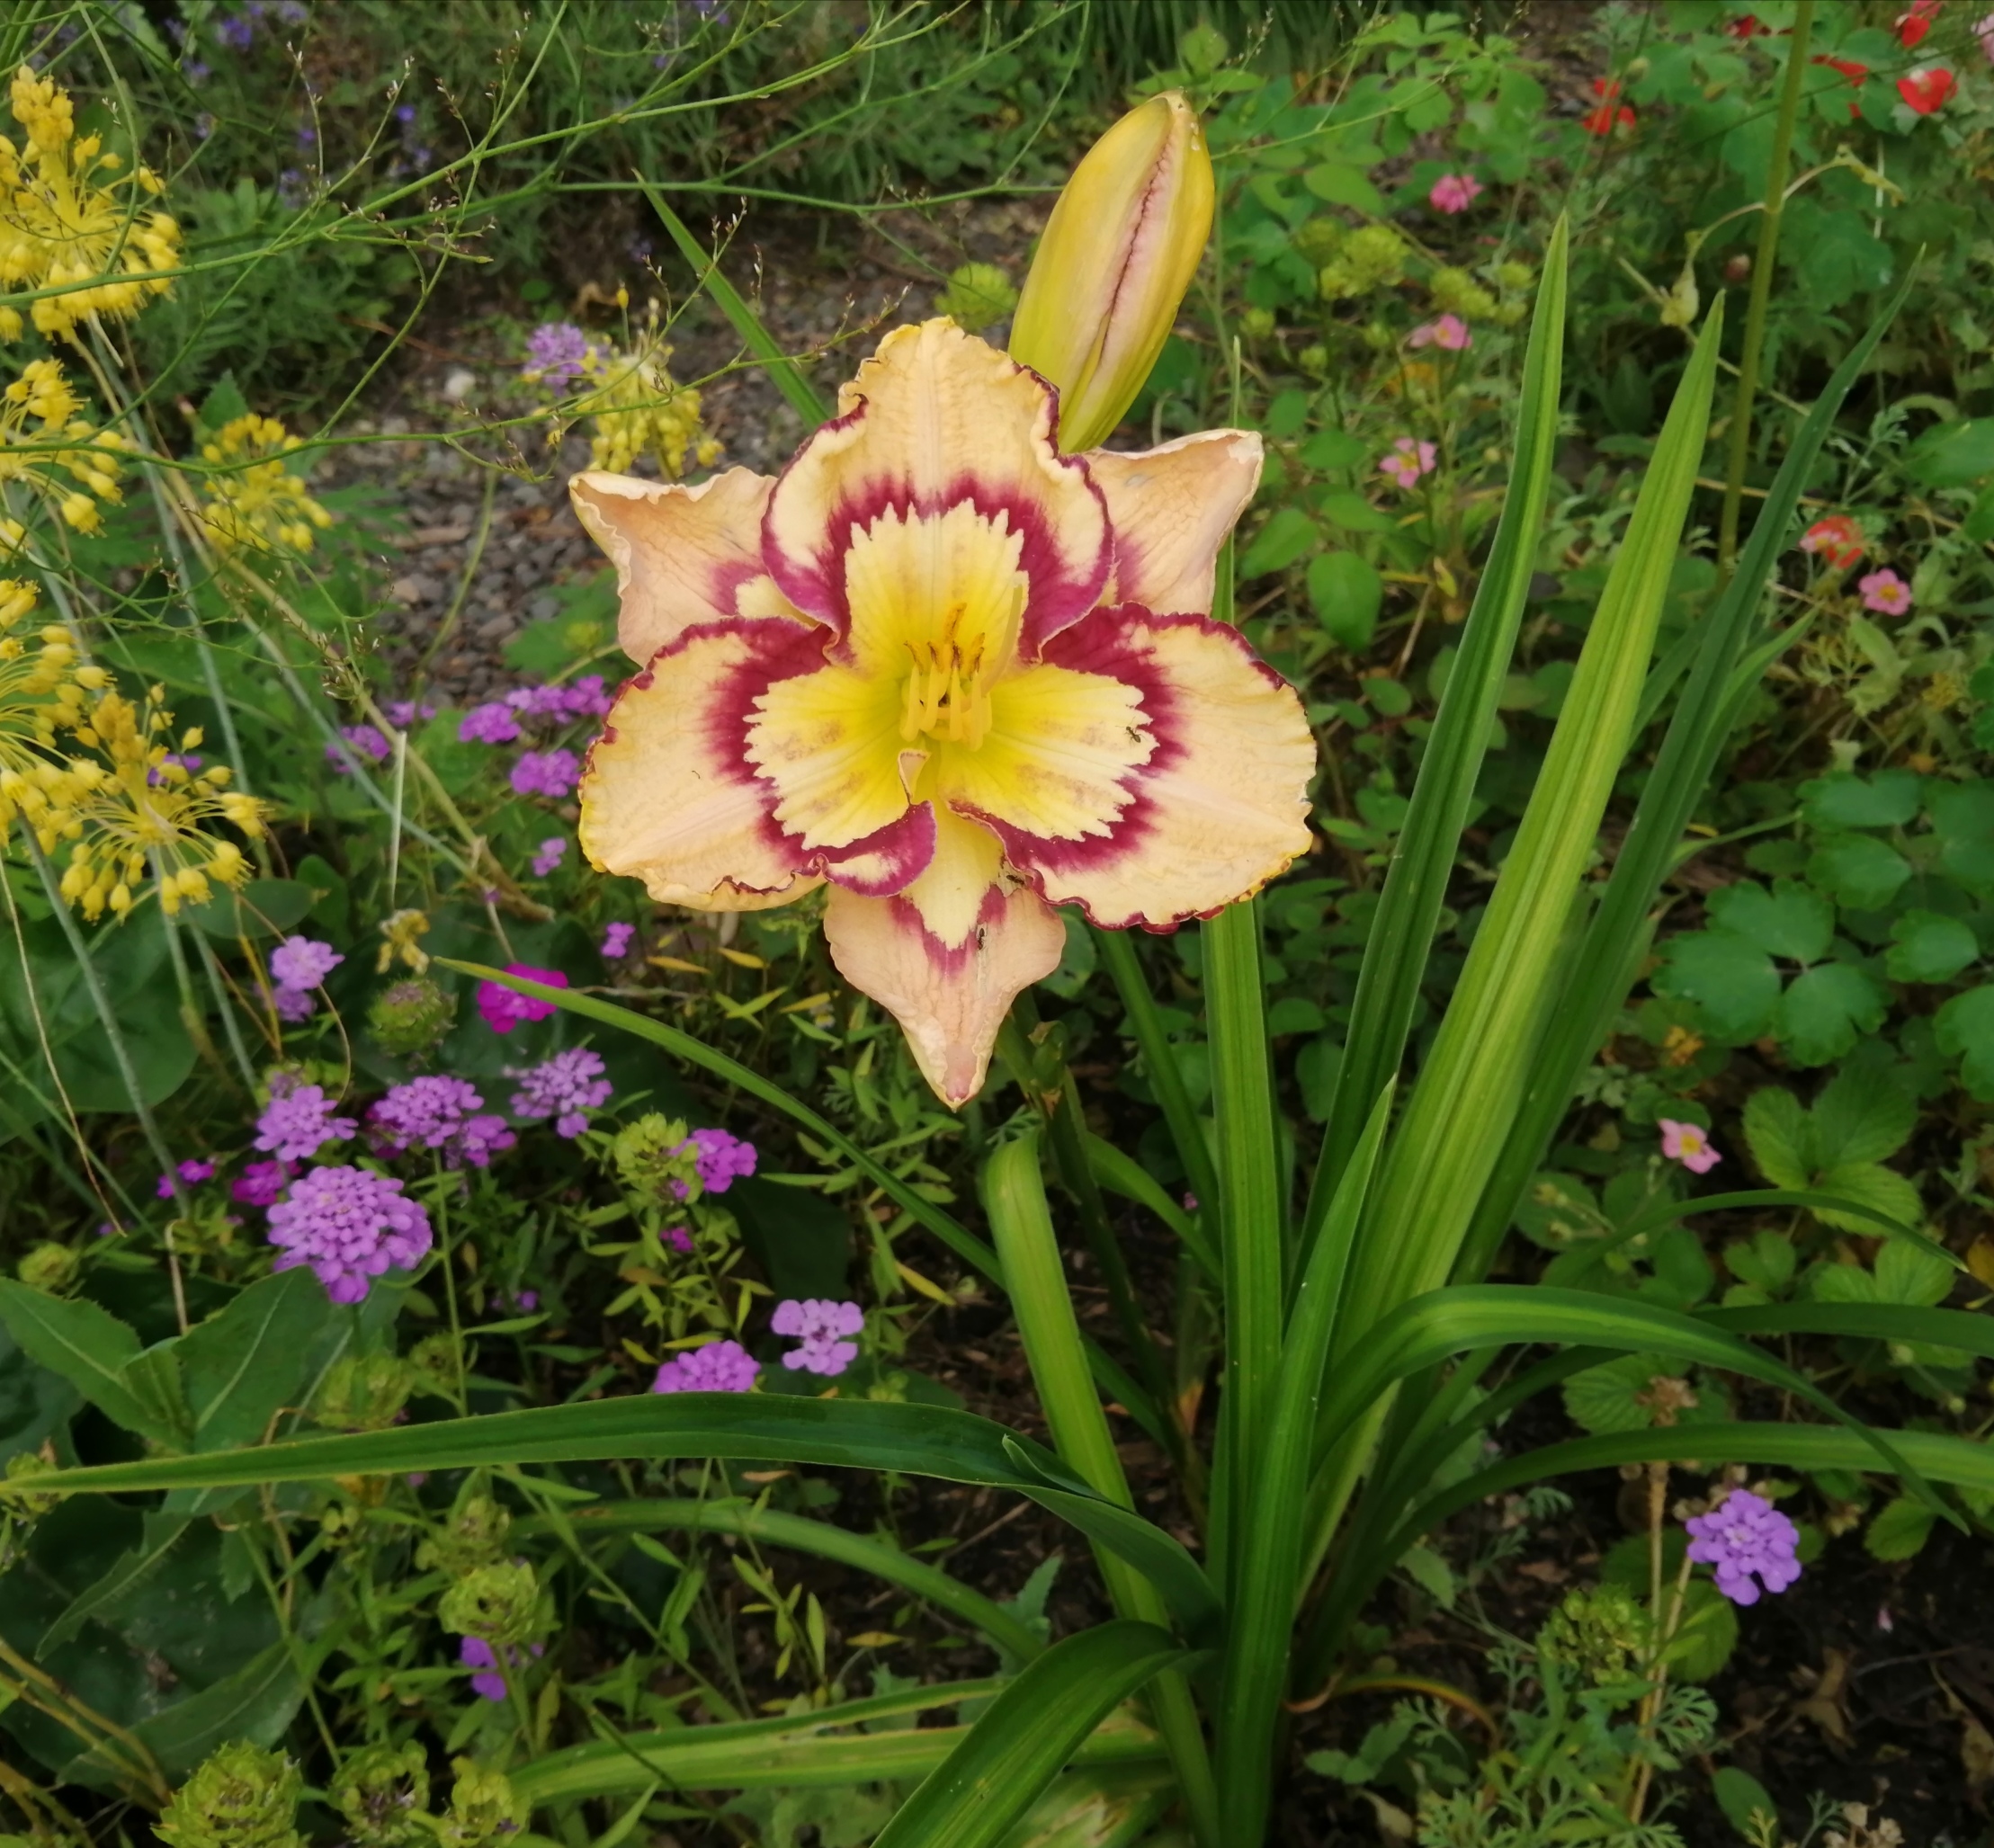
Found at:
<point>404,713</point>
<point>820,1324</point>
<point>293,1003</point>
<point>616,941</point>
<point>552,773</point>
<point>172,760</point>
<point>490,724</point>
<point>261,1183</point>
<point>548,855</point>
<point>504,1008</point>
<point>292,189</point>
<point>303,962</point>
<point>350,1225</point>
<point>489,1682</point>
<point>444,1115</point>
<point>192,1175</point>
<point>298,1120</point>
<point>293,12</point>
<point>526,1301</point>
<point>307,136</point>
<point>587,698</point>
<point>556,353</point>
<point>568,1084</point>
<point>678,1238</point>
<point>234,33</point>
<point>721,1159</point>
<point>721,1366</point>
<point>362,741</point>
<point>1745,1537</point>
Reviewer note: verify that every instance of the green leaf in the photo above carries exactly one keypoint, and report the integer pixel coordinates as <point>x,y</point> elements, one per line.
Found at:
<point>1706,1634</point>
<point>261,909</point>
<point>1870,1184</point>
<point>85,1345</point>
<point>1964,1028</point>
<point>1744,1800</point>
<point>1344,507</point>
<point>1789,921</point>
<point>1862,1115</point>
<point>162,1534</point>
<point>1826,1010</point>
<point>1780,1135</point>
<point>1925,947</point>
<point>1963,817</point>
<point>1607,1397</point>
<point>241,1365</point>
<point>1288,535</point>
<point>1346,594</point>
<point>1026,1737</point>
<point>1956,454</point>
<point>1733,982</point>
<point>1329,450</point>
<point>1859,870</point>
<point>1888,799</point>
<point>1899,1530</point>
<point>1336,184</point>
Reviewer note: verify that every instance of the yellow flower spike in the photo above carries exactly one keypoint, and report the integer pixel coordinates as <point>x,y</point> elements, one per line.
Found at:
<point>1121,248</point>
<point>261,506</point>
<point>956,676</point>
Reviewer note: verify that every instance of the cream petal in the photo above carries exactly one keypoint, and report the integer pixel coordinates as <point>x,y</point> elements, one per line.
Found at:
<point>683,555</point>
<point>1221,804</point>
<point>949,1002</point>
<point>934,418</point>
<point>668,795</point>
<point>1171,509</point>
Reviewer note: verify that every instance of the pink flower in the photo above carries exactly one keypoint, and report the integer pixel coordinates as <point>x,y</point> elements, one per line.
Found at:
<point>1454,193</point>
<point>504,1008</point>
<point>1886,593</point>
<point>1688,1144</point>
<point>1450,332</point>
<point>1983,30</point>
<point>1837,538</point>
<point>1408,460</point>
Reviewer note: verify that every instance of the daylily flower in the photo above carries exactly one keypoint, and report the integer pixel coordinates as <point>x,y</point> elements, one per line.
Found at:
<point>1688,1144</point>
<point>1408,460</point>
<point>1607,117</point>
<point>1927,90</point>
<point>957,675</point>
<point>1454,193</point>
<point>1450,331</point>
<point>1886,593</point>
<point>1837,540</point>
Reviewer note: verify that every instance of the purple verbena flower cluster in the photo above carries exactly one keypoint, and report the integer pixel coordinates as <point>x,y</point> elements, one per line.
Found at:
<point>550,773</point>
<point>445,1114</point>
<point>504,1008</point>
<point>350,1225</point>
<point>557,352</point>
<point>366,741</point>
<point>548,855</point>
<point>566,1087</point>
<point>488,1682</point>
<point>722,1366</point>
<point>822,1326</point>
<point>1748,1542</point>
<point>616,941</point>
<point>721,1159</point>
<point>404,713</point>
<point>492,723</point>
<point>298,1120</point>
<point>261,1184</point>
<point>192,1175</point>
<point>297,966</point>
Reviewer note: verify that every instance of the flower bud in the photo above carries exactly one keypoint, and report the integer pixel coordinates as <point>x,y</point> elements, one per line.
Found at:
<point>50,1267</point>
<point>1119,250</point>
<point>499,1602</point>
<point>383,1792</point>
<point>411,1018</point>
<point>242,1797</point>
<point>483,1808</point>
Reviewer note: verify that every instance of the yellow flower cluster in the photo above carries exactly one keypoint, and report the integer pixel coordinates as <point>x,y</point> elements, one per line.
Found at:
<point>42,438</point>
<point>638,410</point>
<point>41,692</point>
<point>139,805</point>
<point>70,214</point>
<point>262,505</point>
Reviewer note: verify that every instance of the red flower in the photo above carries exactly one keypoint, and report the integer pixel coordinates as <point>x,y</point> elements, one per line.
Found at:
<point>1858,73</point>
<point>1913,25</point>
<point>1836,539</point>
<point>1605,119</point>
<point>1927,90</point>
<point>1747,26</point>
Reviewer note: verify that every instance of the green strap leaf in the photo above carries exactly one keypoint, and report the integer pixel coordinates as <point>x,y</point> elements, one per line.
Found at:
<point>1954,1328</point>
<point>1029,1735</point>
<point>1123,1174</point>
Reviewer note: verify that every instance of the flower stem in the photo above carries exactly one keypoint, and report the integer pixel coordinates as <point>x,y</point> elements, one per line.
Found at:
<point>1762,287</point>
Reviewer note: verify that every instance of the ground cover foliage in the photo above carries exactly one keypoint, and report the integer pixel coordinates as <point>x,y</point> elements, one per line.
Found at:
<point>1483,1343</point>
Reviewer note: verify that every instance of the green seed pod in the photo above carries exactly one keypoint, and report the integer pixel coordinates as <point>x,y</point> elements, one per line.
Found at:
<point>383,1792</point>
<point>473,1536</point>
<point>482,1808</point>
<point>50,1267</point>
<point>978,294</point>
<point>242,1797</point>
<point>411,1018</point>
<point>364,1392</point>
<point>499,1602</point>
<point>17,1498</point>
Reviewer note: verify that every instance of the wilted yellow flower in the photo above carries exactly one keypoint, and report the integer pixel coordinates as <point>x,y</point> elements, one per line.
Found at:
<point>141,808</point>
<point>70,213</point>
<point>42,439</point>
<point>263,506</point>
<point>398,941</point>
<point>39,694</point>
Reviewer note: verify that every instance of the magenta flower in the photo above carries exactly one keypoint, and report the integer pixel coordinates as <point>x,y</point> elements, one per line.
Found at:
<point>678,1238</point>
<point>360,741</point>
<point>489,1681</point>
<point>404,713</point>
<point>1746,1539</point>
<point>504,1008</point>
<point>821,1326</point>
<point>548,855</point>
<point>261,1184</point>
<point>350,1225</point>
<point>492,723</point>
<point>444,1114</point>
<point>1450,332</point>
<point>721,1366</point>
<point>551,773</point>
<point>616,941</point>
<point>566,1087</point>
<point>1884,592</point>
<point>192,1175</point>
<point>1687,1144</point>
<point>1454,193</point>
<point>1408,460</point>
<point>298,1120</point>
<point>720,1158</point>
<point>301,962</point>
